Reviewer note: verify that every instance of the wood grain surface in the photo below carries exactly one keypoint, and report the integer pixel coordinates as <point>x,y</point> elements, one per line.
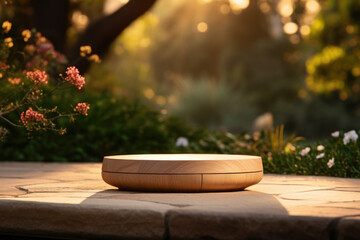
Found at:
<point>182,163</point>
<point>182,172</point>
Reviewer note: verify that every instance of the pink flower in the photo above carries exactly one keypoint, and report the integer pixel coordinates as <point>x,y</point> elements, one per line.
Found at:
<point>74,77</point>
<point>82,108</point>
<point>31,116</point>
<point>60,58</point>
<point>44,62</point>
<point>38,76</point>
<point>30,64</point>
<point>14,81</point>
<point>3,66</point>
<point>45,47</point>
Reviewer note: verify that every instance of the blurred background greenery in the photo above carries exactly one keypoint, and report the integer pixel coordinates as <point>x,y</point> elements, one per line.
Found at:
<point>203,68</point>
<point>221,64</point>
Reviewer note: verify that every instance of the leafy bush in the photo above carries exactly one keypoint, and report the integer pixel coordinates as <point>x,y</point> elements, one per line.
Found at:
<point>212,104</point>
<point>117,126</point>
<point>112,127</point>
<point>337,156</point>
<point>334,69</point>
<point>29,74</point>
<point>330,157</point>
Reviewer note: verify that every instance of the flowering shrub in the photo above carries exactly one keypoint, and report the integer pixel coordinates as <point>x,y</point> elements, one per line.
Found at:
<point>38,76</point>
<point>82,108</point>
<point>74,77</point>
<point>339,155</point>
<point>28,71</point>
<point>134,128</point>
<point>31,116</point>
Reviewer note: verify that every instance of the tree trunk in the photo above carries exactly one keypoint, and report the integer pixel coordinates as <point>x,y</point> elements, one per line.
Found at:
<point>51,18</point>
<point>103,32</point>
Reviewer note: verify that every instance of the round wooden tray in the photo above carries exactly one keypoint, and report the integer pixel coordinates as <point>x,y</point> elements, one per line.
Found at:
<point>182,172</point>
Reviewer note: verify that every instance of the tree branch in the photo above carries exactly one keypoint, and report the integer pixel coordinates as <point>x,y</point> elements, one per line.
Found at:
<point>11,123</point>
<point>103,32</point>
<point>51,19</point>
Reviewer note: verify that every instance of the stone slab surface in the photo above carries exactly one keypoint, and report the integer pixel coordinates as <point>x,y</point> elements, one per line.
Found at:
<point>71,201</point>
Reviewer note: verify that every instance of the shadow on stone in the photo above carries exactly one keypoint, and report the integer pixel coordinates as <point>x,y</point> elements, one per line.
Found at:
<point>245,201</point>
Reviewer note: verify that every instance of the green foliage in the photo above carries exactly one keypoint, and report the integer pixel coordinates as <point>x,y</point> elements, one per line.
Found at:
<point>121,127</point>
<point>275,142</point>
<point>346,159</point>
<point>112,127</point>
<point>211,104</point>
<point>282,154</point>
<point>237,64</point>
<point>222,77</point>
<point>29,73</point>
<point>335,68</point>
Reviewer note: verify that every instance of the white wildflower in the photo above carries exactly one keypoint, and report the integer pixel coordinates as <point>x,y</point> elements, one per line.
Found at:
<point>335,134</point>
<point>350,136</point>
<point>256,135</point>
<point>331,163</point>
<point>305,151</point>
<point>321,155</point>
<point>264,121</point>
<point>320,148</point>
<point>182,142</point>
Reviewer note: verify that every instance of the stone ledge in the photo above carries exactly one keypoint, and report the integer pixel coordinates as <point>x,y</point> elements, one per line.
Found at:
<point>200,225</point>
<point>71,201</point>
<point>79,221</point>
<point>348,228</point>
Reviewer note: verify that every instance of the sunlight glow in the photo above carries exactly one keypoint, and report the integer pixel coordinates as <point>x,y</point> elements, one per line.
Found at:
<point>118,49</point>
<point>80,20</point>
<point>160,100</point>
<point>149,93</point>
<point>305,30</point>
<point>239,4</point>
<point>286,10</point>
<point>264,7</point>
<point>290,28</point>
<point>111,6</point>
<point>224,9</point>
<point>145,42</point>
<point>312,6</point>
<point>202,27</point>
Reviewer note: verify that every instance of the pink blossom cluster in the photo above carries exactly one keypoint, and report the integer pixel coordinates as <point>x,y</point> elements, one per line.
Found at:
<point>82,108</point>
<point>45,48</point>
<point>14,81</point>
<point>36,62</point>
<point>31,116</point>
<point>38,76</point>
<point>3,66</point>
<point>74,77</point>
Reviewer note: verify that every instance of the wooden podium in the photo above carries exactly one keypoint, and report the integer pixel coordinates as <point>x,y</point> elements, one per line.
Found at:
<point>182,172</point>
